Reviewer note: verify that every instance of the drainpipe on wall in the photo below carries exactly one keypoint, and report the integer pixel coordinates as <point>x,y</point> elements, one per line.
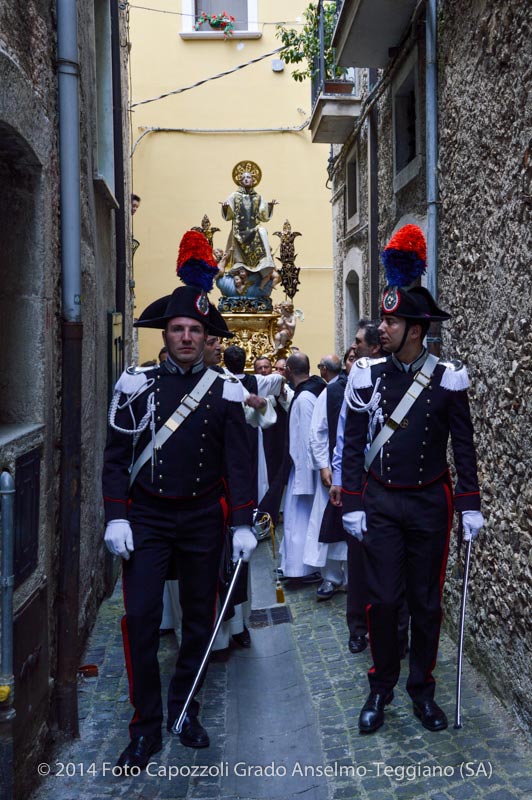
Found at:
<point>431,114</point>
<point>72,337</point>
<point>373,201</point>
<point>120,219</point>
<point>7,680</point>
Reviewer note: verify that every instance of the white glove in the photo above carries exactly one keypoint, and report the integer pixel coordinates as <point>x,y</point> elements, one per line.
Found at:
<point>472,521</point>
<point>119,538</point>
<point>354,523</point>
<point>244,543</point>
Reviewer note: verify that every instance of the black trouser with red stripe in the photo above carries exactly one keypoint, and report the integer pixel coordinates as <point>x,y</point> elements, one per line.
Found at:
<point>357,601</point>
<point>406,545</point>
<point>165,531</point>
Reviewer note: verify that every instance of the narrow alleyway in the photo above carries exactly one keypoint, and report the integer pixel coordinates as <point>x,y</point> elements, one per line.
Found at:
<point>282,718</point>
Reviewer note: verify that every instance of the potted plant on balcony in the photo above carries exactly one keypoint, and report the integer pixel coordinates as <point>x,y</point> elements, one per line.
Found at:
<point>222,21</point>
<point>303,47</point>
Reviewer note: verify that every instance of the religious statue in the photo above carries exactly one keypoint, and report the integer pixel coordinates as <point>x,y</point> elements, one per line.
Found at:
<point>248,247</point>
<point>285,325</point>
<point>245,274</point>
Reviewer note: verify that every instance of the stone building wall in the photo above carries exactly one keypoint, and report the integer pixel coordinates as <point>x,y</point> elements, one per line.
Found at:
<point>29,324</point>
<point>408,203</point>
<point>485,246</point>
<point>485,78</point>
<point>350,237</point>
<point>351,249</point>
<point>31,387</point>
<point>98,258</point>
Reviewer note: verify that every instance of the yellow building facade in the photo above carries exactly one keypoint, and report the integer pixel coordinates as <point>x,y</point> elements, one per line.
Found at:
<point>185,145</point>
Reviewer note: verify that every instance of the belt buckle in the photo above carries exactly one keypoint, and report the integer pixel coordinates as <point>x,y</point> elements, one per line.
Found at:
<point>194,403</point>
<point>421,378</point>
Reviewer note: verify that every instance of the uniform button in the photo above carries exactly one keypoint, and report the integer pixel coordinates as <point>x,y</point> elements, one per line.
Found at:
<point>158,389</point>
<point>389,481</point>
<point>384,388</point>
<point>158,418</point>
<point>426,428</point>
<point>209,392</point>
<point>428,399</point>
<point>203,435</point>
<point>421,469</point>
<point>198,480</point>
<point>388,468</point>
<point>157,403</point>
<point>423,443</point>
<point>160,477</point>
<point>419,483</point>
<point>160,461</point>
<point>422,456</point>
<point>201,449</point>
<point>193,494</point>
<point>208,406</point>
<point>430,388</point>
<point>427,414</point>
<point>200,465</point>
<point>387,455</point>
<point>384,402</point>
<point>206,421</point>
<point>160,491</point>
<point>383,374</point>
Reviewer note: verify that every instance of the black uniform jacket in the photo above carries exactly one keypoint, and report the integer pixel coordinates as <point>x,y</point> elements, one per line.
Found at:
<point>416,453</point>
<point>208,449</point>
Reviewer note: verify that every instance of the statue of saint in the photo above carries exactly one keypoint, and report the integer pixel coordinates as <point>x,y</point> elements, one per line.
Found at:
<point>248,247</point>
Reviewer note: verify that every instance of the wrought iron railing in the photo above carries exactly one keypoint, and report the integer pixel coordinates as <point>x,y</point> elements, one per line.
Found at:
<point>321,72</point>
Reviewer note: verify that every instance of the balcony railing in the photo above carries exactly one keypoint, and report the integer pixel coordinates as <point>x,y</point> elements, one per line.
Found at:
<point>322,73</point>
<point>334,98</point>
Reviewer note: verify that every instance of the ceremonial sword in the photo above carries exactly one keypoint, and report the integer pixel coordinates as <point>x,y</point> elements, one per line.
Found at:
<point>458,718</point>
<point>178,724</point>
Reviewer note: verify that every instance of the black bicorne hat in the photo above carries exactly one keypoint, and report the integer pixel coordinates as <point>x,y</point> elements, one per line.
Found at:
<point>185,301</point>
<point>416,303</point>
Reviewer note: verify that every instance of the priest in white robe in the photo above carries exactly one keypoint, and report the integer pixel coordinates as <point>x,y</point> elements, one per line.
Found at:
<point>329,558</point>
<point>302,478</point>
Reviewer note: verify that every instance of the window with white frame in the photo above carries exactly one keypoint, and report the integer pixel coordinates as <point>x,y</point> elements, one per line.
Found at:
<point>352,181</point>
<point>244,12</point>
<point>406,123</point>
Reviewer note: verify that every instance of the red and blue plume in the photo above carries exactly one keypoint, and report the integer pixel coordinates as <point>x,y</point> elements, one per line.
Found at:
<point>405,256</point>
<point>196,265</point>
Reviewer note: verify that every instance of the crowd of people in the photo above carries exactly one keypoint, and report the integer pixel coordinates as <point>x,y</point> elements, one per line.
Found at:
<point>354,458</point>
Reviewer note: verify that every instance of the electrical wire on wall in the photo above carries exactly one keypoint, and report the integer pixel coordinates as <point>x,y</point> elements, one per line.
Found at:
<point>206,80</point>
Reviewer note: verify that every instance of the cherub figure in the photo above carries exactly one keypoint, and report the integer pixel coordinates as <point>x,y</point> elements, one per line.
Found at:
<point>286,324</point>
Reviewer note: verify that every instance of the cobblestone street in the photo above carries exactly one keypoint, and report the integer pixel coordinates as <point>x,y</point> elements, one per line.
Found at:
<point>282,718</point>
